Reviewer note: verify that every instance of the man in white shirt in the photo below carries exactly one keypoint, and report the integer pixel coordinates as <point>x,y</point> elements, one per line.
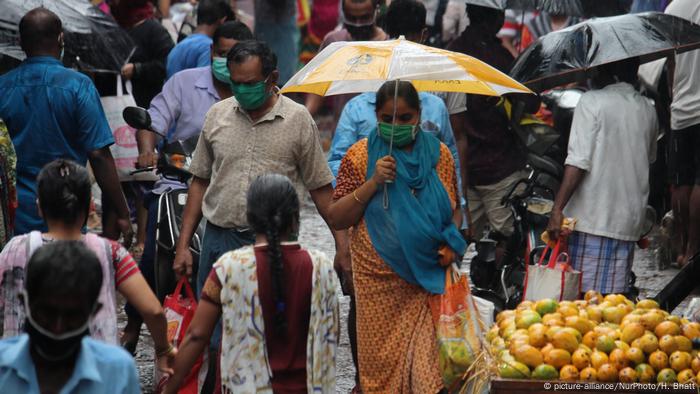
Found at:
<point>606,181</point>
<point>684,153</point>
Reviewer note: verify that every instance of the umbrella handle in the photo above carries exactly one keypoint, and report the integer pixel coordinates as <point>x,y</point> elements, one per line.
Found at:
<point>391,142</point>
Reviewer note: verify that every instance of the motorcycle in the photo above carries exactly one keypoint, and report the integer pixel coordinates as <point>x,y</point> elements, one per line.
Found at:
<point>530,200</point>
<point>173,164</point>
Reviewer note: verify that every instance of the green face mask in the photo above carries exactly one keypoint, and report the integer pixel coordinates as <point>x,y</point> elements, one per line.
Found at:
<point>404,134</point>
<point>220,70</point>
<point>251,96</point>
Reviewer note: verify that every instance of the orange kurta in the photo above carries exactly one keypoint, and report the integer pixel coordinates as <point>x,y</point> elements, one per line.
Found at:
<point>396,337</point>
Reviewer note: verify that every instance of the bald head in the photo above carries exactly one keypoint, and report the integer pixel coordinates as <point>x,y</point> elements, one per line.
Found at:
<point>40,33</point>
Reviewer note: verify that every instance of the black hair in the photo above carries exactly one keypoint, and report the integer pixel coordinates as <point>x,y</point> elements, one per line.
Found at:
<point>64,193</point>
<point>39,30</point>
<point>235,30</point>
<point>479,15</point>
<point>625,70</point>
<point>243,50</point>
<point>273,210</point>
<point>63,268</point>
<point>405,90</point>
<point>405,17</point>
<point>211,11</point>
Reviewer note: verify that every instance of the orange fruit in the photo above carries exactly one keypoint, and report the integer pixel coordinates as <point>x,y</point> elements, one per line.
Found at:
<point>567,310</point>
<point>686,376</point>
<point>647,304</point>
<point>566,340</point>
<point>593,297</point>
<point>628,375</point>
<point>546,349</point>
<point>667,328</point>
<point>680,361</point>
<point>558,358</point>
<point>695,364</point>
<point>684,344</point>
<point>635,355</point>
<point>598,358</point>
<point>581,359</point>
<point>605,344</point>
<point>537,335</point>
<point>649,343</point>
<point>553,319</point>
<point>636,343</point>
<point>568,373</point>
<point>589,374</point>
<point>668,344</point>
<point>590,339</point>
<point>525,305</point>
<point>652,319</point>
<point>528,355</point>
<point>579,324</point>
<point>607,373</point>
<point>614,314</point>
<point>691,330</point>
<point>645,373</point>
<point>666,376</point>
<point>505,315</point>
<point>658,360</point>
<point>551,331</point>
<point>631,332</point>
<point>618,359</point>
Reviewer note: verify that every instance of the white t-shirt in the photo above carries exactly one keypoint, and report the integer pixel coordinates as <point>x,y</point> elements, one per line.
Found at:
<point>685,109</point>
<point>613,138</point>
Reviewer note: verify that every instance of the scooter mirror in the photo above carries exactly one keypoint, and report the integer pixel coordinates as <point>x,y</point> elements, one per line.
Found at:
<point>137,118</point>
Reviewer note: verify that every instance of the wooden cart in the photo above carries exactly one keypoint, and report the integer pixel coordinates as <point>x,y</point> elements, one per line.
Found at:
<point>515,386</point>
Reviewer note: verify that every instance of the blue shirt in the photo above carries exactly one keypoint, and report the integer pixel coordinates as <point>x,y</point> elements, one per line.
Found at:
<point>179,110</point>
<point>359,118</point>
<point>51,112</point>
<point>99,368</point>
<point>194,51</point>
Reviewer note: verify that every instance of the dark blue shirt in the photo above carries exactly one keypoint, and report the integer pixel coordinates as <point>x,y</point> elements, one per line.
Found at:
<point>51,112</point>
<point>194,51</point>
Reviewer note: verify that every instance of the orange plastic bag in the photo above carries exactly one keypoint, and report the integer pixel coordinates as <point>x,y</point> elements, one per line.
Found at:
<point>457,327</point>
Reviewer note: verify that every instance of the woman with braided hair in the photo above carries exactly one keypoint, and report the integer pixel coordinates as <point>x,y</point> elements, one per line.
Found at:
<point>277,301</point>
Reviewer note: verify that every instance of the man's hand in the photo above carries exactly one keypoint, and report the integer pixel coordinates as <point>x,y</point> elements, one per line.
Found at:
<point>147,159</point>
<point>127,231</point>
<point>343,267</point>
<point>385,170</point>
<point>128,71</point>
<point>182,264</point>
<point>554,226</point>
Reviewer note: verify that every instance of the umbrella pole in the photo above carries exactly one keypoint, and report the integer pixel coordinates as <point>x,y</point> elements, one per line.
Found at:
<point>391,142</point>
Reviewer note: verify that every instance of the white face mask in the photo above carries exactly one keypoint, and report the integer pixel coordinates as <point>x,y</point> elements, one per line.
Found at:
<point>51,346</point>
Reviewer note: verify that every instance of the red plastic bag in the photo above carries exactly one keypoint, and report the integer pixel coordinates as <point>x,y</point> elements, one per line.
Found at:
<point>179,312</point>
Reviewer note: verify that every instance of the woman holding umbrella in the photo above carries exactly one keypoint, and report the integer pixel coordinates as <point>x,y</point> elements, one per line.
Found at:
<point>402,208</point>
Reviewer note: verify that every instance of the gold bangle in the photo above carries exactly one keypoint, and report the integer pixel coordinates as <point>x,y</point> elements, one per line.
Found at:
<point>166,352</point>
<point>354,195</point>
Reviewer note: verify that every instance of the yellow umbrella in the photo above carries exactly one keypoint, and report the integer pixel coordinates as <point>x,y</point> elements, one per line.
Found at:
<point>363,66</point>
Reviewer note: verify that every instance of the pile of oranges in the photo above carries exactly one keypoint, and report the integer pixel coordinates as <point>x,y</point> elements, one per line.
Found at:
<point>605,339</point>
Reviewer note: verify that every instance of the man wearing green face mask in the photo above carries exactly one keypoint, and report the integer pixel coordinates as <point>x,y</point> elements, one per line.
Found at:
<point>178,111</point>
<point>256,132</point>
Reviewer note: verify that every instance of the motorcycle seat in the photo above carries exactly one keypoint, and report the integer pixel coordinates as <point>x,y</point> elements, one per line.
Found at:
<point>545,164</point>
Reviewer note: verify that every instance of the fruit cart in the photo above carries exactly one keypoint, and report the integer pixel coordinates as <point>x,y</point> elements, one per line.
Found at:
<point>595,345</point>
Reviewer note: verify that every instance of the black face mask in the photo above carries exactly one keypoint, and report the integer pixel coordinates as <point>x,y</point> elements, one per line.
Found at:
<point>53,349</point>
<point>360,32</point>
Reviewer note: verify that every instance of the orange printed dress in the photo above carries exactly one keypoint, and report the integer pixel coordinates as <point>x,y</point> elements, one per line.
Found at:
<point>397,349</point>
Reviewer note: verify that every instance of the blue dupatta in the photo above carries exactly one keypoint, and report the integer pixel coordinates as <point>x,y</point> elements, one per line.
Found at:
<point>409,233</point>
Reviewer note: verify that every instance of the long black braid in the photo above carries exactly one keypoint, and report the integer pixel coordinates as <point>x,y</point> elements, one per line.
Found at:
<point>273,210</point>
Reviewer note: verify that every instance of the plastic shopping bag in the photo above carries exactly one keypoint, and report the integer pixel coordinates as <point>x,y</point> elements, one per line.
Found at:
<point>125,149</point>
<point>179,312</point>
<point>457,326</point>
<point>556,280</point>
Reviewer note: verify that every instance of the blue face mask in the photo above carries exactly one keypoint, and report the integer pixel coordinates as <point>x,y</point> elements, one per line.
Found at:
<point>219,69</point>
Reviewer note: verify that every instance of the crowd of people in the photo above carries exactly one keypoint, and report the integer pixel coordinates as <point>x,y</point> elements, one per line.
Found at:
<point>409,180</point>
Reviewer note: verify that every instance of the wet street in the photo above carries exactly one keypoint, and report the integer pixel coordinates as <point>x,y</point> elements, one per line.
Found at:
<point>315,234</point>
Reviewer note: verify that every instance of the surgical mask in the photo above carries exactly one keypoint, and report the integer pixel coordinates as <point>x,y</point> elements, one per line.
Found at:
<point>360,32</point>
<point>51,346</point>
<point>220,70</point>
<point>251,96</point>
<point>404,134</point>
